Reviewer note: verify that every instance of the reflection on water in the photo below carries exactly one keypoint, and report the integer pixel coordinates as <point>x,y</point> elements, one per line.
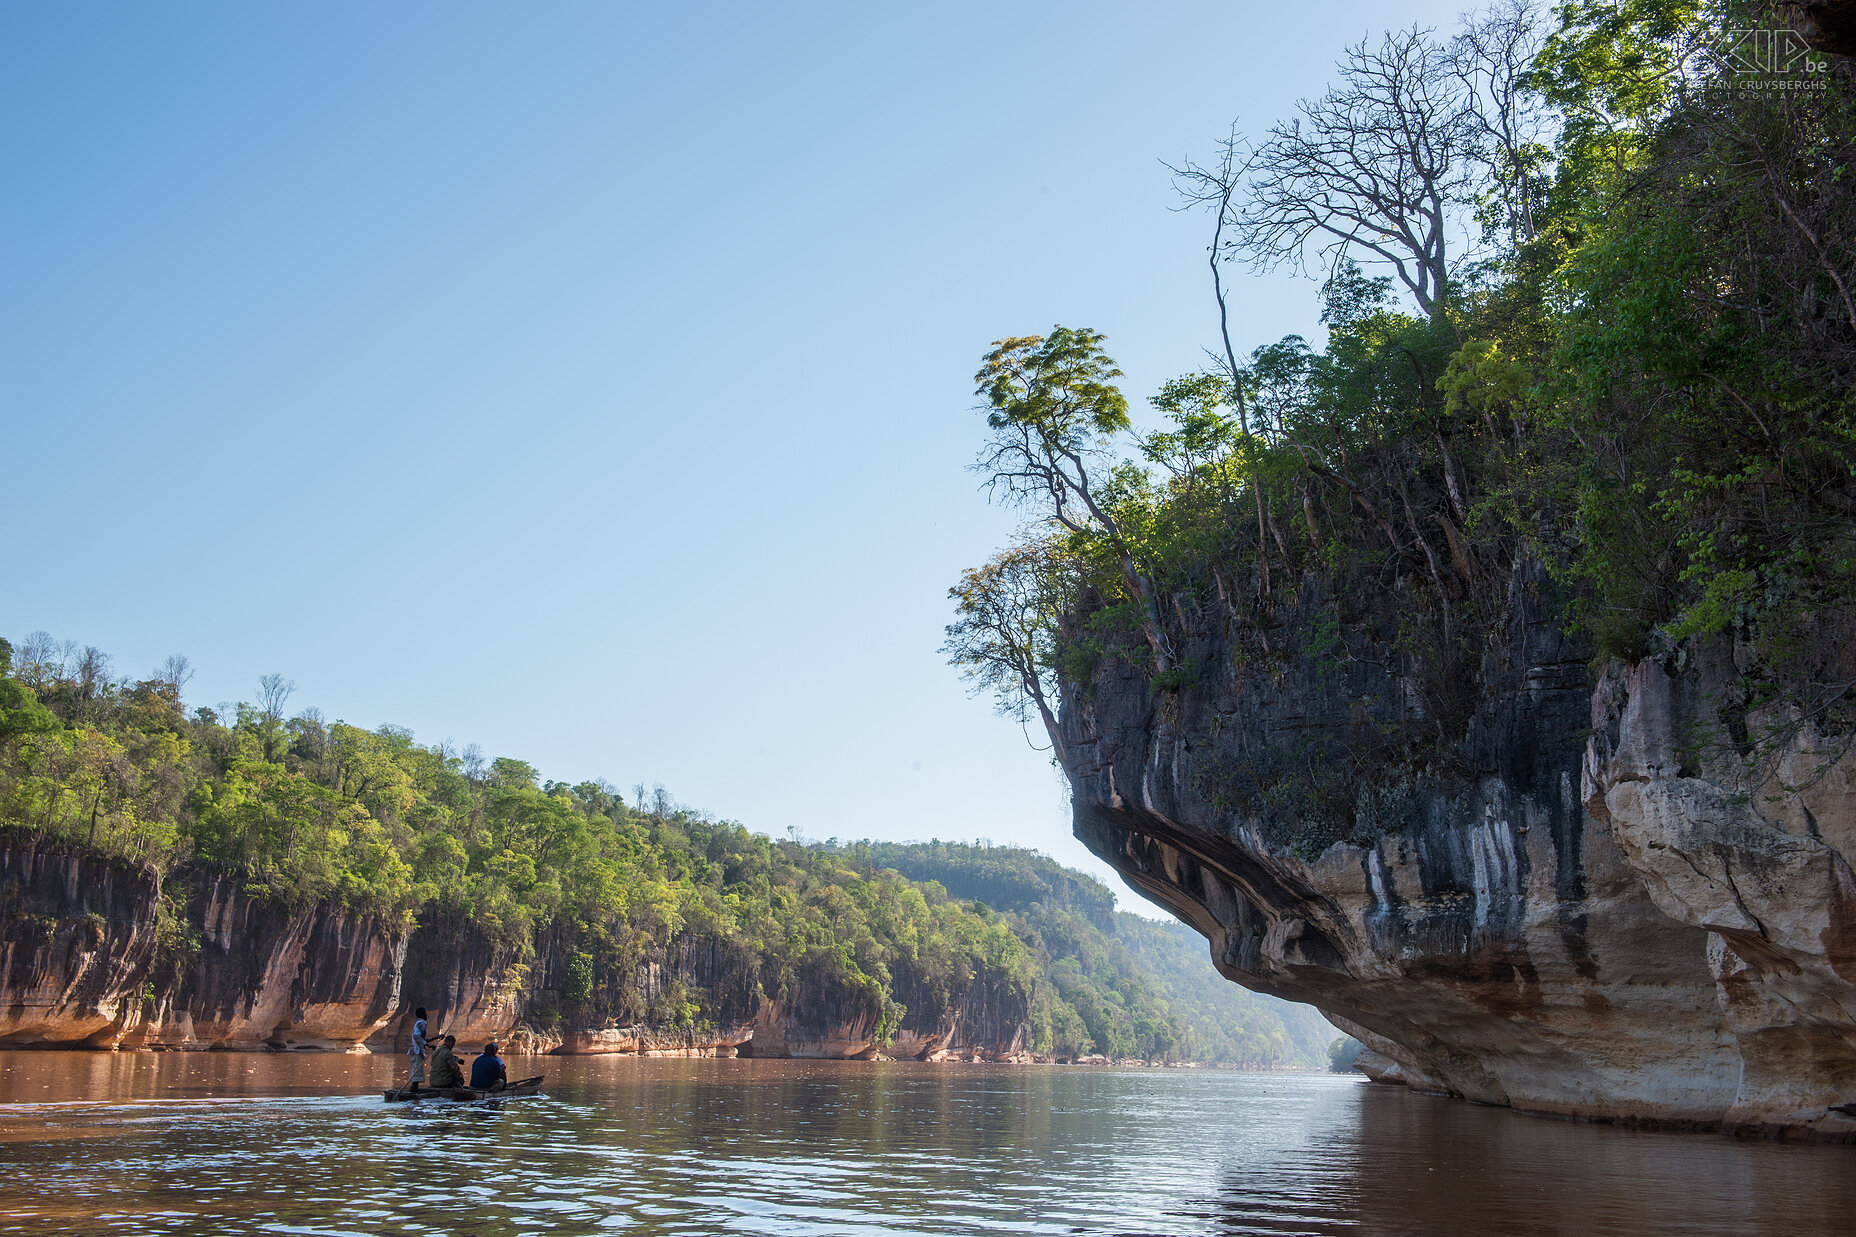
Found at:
<point>232,1143</point>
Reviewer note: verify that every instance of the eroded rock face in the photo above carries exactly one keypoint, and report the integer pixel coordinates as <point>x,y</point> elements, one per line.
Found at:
<point>987,1022</point>
<point>1584,930</point>
<point>79,967</point>
<point>1747,838</point>
<point>264,977</point>
<point>478,991</point>
<point>77,934</point>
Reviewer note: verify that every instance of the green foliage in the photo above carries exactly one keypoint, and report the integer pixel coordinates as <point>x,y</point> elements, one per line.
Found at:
<point>1060,386</point>
<point>302,811</point>
<point>177,943</point>
<point>1341,1053</point>
<point>1110,982</point>
<point>577,979</point>
<point>1703,363</point>
<point>1005,636</point>
<point>1005,878</point>
<point>1646,389</point>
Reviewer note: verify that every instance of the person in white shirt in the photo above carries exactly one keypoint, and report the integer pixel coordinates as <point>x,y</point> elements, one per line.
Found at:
<point>418,1049</point>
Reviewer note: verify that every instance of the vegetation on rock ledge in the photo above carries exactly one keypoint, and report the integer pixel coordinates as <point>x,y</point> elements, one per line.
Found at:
<point>1622,377</point>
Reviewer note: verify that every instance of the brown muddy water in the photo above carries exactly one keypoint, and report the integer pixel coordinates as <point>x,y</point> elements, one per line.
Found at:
<point>256,1143</point>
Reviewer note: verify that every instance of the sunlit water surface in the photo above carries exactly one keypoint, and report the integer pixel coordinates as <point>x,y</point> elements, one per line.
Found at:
<point>234,1143</point>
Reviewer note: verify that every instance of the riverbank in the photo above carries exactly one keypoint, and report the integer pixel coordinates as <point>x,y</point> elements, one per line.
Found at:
<point>530,1048</point>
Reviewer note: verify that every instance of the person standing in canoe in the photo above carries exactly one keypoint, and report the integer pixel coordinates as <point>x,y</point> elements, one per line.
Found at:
<point>418,1049</point>
<point>487,1072</point>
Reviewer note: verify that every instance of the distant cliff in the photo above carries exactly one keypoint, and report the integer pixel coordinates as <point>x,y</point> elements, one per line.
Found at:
<point>86,960</point>
<point>171,878</point>
<point>1623,896</point>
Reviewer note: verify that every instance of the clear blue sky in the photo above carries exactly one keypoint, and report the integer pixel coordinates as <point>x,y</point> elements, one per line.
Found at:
<point>592,382</point>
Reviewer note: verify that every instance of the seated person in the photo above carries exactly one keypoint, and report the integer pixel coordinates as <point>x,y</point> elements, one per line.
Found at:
<point>446,1070</point>
<point>487,1072</point>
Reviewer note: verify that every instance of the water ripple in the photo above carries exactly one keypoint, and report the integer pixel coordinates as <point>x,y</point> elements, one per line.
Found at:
<point>794,1149</point>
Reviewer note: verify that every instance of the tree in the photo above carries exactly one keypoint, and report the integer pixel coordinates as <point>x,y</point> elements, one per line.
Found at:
<point>92,677</point>
<point>1218,186</point>
<point>1009,612</point>
<point>1052,409</point>
<point>1611,69</point>
<point>20,711</point>
<point>1378,164</point>
<point>1494,56</point>
<point>176,672</point>
<point>1388,163</point>
<point>273,691</point>
<point>39,659</point>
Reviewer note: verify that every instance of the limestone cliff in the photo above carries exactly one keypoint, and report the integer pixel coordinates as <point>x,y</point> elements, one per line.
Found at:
<point>1754,853</point>
<point>1515,883</point>
<point>77,937</point>
<point>264,977</point>
<point>83,964</point>
<point>477,993</point>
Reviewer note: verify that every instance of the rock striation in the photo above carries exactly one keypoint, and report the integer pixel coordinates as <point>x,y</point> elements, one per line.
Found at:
<point>1619,896</point>
<point>101,954</point>
<point>266,978</point>
<point>77,936</point>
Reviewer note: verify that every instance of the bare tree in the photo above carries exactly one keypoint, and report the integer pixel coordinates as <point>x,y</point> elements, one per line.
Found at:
<point>39,660</point>
<point>273,691</point>
<point>309,734</point>
<point>1218,186</point>
<point>92,673</point>
<point>176,672</point>
<point>1494,55</point>
<point>1378,166</point>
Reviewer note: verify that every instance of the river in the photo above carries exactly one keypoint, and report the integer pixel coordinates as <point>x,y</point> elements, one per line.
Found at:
<point>258,1143</point>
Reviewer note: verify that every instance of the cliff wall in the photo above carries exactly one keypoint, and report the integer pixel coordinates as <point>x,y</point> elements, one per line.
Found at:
<point>263,977</point>
<point>1503,875</point>
<point>77,937</point>
<point>84,964</point>
<point>988,1021</point>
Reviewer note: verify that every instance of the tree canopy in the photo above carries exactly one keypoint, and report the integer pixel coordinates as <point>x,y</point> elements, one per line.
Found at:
<point>1589,284</point>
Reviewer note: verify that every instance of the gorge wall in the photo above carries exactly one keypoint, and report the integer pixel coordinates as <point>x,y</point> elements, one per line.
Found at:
<point>99,954</point>
<point>1620,896</point>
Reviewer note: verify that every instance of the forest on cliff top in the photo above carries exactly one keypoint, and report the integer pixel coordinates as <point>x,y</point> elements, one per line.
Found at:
<point>304,811</point>
<point>1590,304</point>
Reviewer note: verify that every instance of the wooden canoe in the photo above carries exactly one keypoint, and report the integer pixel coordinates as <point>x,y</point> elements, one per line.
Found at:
<point>515,1090</point>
